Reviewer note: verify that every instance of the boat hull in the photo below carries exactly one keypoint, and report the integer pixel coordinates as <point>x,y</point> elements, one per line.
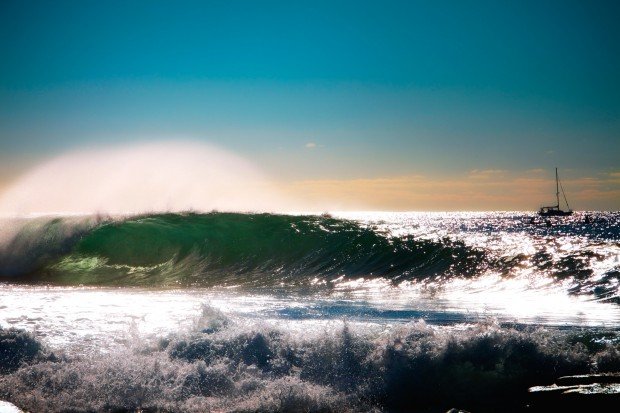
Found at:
<point>554,213</point>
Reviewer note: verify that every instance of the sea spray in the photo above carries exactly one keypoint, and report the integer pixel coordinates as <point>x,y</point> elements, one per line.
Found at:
<point>140,178</point>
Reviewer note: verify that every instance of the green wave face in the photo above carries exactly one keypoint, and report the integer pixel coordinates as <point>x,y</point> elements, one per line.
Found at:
<point>237,249</point>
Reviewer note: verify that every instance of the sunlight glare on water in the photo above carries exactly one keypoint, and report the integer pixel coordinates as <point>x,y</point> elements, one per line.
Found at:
<point>100,318</point>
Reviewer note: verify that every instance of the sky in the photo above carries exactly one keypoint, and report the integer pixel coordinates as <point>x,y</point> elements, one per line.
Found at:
<point>414,105</point>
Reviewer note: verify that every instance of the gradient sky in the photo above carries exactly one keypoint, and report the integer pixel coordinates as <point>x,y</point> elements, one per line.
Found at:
<point>382,105</point>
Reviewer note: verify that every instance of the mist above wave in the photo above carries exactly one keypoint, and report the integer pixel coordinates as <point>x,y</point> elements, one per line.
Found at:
<point>139,178</point>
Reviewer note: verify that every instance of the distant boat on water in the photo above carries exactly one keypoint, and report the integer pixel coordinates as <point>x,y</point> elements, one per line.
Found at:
<point>554,210</point>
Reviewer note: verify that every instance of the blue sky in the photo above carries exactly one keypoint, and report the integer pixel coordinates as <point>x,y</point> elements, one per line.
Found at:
<point>383,89</point>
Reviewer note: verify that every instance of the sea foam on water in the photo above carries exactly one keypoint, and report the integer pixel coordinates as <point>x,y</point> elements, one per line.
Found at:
<point>241,366</point>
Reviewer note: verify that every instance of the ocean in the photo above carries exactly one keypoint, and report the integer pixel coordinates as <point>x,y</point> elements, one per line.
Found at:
<point>340,312</point>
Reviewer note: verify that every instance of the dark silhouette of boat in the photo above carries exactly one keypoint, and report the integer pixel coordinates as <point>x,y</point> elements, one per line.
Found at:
<point>554,210</point>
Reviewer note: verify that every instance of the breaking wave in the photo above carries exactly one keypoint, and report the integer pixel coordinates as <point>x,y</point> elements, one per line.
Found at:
<point>223,249</point>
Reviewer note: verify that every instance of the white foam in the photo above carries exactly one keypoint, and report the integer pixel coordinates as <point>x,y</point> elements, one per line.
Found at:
<point>6,407</point>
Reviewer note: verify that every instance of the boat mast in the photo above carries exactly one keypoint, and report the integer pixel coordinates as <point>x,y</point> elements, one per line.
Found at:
<point>557,188</point>
<point>564,195</point>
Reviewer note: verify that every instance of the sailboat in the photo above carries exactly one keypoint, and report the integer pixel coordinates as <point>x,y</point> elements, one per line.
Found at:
<point>555,211</point>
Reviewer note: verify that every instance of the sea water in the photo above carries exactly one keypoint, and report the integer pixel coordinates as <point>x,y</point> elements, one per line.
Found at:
<point>340,312</point>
